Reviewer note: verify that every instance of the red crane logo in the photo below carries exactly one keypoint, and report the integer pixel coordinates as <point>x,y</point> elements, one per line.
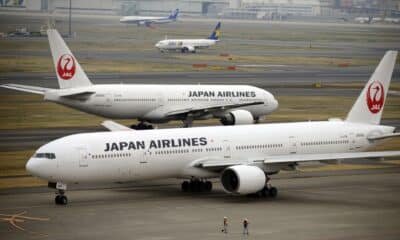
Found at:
<point>375,97</point>
<point>66,67</point>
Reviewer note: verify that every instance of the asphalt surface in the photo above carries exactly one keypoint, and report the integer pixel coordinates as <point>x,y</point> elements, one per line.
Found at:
<point>348,205</point>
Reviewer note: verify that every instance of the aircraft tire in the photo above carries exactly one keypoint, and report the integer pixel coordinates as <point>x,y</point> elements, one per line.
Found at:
<point>63,200</point>
<point>185,186</point>
<point>273,192</point>
<point>208,186</point>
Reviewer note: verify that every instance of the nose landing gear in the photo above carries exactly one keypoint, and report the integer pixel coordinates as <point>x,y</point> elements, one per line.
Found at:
<point>60,198</point>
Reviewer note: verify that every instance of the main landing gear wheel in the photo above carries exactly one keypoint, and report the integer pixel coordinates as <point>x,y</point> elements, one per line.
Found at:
<point>196,186</point>
<point>266,192</point>
<point>142,126</point>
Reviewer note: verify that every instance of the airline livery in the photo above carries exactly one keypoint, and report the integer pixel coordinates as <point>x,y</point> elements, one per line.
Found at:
<point>242,157</point>
<point>232,104</point>
<point>190,45</point>
<point>148,21</point>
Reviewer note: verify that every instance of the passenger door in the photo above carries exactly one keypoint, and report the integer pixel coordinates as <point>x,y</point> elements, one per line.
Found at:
<point>227,149</point>
<point>292,145</point>
<point>83,157</point>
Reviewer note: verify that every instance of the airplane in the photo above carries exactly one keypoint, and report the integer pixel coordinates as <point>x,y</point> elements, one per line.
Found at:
<point>148,21</point>
<point>153,103</point>
<point>190,45</point>
<point>371,19</point>
<point>242,157</point>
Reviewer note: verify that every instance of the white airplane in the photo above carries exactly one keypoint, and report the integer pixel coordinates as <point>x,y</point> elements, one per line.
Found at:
<point>190,45</point>
<point>243,157</point>
<point>371,19</point>
<point>232,104</point>
<point>148,21</point>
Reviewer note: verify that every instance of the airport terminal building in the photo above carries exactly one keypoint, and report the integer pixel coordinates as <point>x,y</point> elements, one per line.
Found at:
<point>239,9</point>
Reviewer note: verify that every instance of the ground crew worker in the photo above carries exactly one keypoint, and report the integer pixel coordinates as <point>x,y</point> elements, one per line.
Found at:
<point>225,228</point>
<point>245,226</point>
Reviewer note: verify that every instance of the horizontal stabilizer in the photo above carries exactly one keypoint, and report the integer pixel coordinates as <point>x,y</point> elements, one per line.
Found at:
<point>113,126</point>
<point>327,156</point>
<point>74,93</point>
<point>26,88</point>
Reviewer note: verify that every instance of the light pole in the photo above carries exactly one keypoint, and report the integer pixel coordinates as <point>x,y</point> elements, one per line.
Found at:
<point>70,7</point>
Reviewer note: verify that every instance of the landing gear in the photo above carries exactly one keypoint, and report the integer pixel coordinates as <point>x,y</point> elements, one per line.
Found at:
<point>60,198</point>
<point>268,190</point>
<point>142,126</point>
<point>196,186</point>
<point>188,122</point>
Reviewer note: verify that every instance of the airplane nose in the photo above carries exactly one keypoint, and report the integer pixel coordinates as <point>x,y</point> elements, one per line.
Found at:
<point>32,167</point>
<point>275,104</point>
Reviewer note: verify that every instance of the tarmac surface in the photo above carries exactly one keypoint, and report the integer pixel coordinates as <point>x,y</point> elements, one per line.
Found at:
<point>361,204</point>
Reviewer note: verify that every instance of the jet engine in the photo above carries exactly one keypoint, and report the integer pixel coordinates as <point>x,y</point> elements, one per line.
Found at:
<point>242,179</point>
<point>237,117</point>
<point>186,49</point>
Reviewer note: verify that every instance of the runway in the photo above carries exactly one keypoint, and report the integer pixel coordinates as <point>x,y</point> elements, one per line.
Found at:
<point>277,77</point>
<point>350,204</point>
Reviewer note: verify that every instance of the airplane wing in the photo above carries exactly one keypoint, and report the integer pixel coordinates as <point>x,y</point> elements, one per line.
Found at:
<point>209,109</point>
<point>26,88</point>
<point>220,164</point>
<point>113,126</point>
<point>290,158</point>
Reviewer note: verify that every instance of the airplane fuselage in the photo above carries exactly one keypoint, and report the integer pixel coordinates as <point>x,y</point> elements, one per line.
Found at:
<point>157,103</point>
<point>136,155</point>
<point>177,44</point>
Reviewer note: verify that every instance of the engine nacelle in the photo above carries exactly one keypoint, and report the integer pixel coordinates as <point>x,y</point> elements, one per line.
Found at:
<point>242,179</point>
<point>237,117</point>
<point>188,49</point>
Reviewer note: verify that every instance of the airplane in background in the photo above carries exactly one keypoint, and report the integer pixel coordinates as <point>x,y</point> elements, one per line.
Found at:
<point>153,103</point>
<point>242,157</point>
<point>372,19</point>
<point>190,45</point>
<point>148,21</point>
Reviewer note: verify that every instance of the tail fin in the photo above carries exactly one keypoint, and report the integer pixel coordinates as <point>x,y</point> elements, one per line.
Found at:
<point>369,105</point>
<point>69,72</point>
<point>174,14</point>
<point>216,33</point>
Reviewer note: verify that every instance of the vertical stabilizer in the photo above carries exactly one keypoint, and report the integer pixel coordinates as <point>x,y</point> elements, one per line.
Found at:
<point>174,14</point>
<point>216,33</point>
<point>69,72</point>
<point>369,105</point>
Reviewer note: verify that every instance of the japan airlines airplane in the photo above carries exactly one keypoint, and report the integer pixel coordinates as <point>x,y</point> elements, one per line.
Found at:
<point>232,104</point>
<point>243,157</point>
<point>190,45</point>
<point>149,21</point>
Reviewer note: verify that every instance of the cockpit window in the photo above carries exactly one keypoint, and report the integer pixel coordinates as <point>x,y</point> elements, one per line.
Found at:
<point>45,155</point>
